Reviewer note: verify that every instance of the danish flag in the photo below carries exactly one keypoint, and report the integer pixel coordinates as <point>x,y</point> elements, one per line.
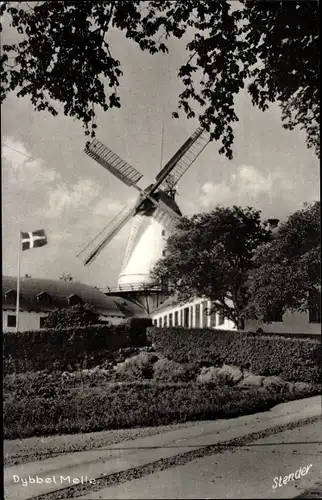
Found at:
<point>33,239</point>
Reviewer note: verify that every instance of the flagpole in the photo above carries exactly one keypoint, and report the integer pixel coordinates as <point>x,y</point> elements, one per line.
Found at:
<point>18,283</point>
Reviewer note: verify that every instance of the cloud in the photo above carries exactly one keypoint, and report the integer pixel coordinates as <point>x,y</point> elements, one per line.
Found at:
<point>111,206</point>
<point>248,186</point>
<point>72,199</point>
<point>25,171</point>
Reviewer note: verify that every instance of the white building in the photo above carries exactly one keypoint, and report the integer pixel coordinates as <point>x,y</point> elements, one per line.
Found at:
<point>38,297</point>
<point>193,314</point>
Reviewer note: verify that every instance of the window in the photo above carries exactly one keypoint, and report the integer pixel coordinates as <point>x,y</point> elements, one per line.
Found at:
<point>170,319</point>
<point>197,315</point>
<point>204,314</point>
<point>43,298</point>
<point>213,319</point>
<point>11,296</point>
<point>315,307</point>
<point>160,322</point>
<point>11,320</point>
<point>74,299</point>
<point>221,318</point>
<point>186,317</point>
<point>163,253</point>
<point>275,314</point>
<point>163,232</point>
<point>165,322</point>
<point>181,317</point>
<point>42,321</point>
<point>176,318</point>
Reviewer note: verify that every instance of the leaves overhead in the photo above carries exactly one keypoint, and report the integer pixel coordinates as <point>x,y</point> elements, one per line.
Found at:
<point>63,55</point>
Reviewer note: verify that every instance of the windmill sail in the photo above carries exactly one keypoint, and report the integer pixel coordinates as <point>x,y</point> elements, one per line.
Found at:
<point>137,222</point>
<point>186,160</point>
<point>113,163</point>
<point>167,169</point>
<point>94,248</point>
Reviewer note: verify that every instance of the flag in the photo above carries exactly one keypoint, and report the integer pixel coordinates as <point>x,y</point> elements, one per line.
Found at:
<point>33,239</point>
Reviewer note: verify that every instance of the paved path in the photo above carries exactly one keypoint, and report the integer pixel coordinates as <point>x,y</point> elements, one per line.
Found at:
<point>250,471</point>
<point>138,453</point>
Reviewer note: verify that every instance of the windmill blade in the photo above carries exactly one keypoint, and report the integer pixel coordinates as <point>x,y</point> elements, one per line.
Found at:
<point>167,169</point>
<point>94,248</point>
<point>113,163</point>
<point>187,159</point>
<point>137,222</point>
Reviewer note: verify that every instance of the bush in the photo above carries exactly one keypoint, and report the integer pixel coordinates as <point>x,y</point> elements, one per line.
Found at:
<point>293,358</point>
<point>62,349</point>
<point>72,316</point>
<point>166,370</point>
<point>125,405</point>
<point>137,367</point>
<point>42,403</point>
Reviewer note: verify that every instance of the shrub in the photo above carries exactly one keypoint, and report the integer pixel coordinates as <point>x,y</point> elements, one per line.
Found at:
<point>166,370</point>
<point>225,375</point>
<point>293,358</point>
<point>72,316</point>
<point>44,403</point>
<point>60,349</point>
<point>208,375</point>
<point>137,367</point>
<point>126,405</point>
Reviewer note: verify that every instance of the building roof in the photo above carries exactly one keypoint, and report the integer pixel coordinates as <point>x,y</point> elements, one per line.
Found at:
<point>46,295</point>
<point>170,302</point>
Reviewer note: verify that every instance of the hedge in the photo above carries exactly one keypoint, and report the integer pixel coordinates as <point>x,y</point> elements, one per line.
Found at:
<point>62,349</point>
<point>294,359</point>
<point>117,406</point>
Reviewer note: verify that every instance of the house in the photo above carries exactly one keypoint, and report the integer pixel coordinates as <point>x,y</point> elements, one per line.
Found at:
<point>38,297</point>
<point>194,314</point>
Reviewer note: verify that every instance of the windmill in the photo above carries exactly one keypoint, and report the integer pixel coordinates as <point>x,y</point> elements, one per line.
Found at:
<point>154,214</point>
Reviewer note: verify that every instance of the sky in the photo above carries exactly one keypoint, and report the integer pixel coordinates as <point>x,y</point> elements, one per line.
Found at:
<point>49,183</point>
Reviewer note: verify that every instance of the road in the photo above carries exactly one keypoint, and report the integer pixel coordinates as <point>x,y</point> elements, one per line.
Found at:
<point>244,472</point>
<point>228,458</point>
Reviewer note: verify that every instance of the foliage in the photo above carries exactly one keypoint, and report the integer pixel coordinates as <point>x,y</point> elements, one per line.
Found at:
<point>137,367</point>
<point>66,349</point>
<point>72,316</point>
<point>169,371</point>
<point>219,247</point>
<point>287,270</point>
<point>63,54</point>
<point>291,358</point>
<point>114,406</point>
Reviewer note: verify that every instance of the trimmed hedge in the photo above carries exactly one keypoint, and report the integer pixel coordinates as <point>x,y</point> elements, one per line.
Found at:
<point>117,406</point>
<point>293,359</point>
<point>63,349</point>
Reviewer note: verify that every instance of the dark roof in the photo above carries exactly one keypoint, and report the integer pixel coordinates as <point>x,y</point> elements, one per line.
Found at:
<point>170,302</point>
<point>58,293</point>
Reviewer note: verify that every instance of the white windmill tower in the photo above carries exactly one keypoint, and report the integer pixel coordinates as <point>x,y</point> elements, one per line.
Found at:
<point>154,214</point>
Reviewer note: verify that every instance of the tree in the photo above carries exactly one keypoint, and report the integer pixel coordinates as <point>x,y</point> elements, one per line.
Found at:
<point>287,271</point>
<point>63,54</point>
<point>27,275</point>
<point>66,277</point>
<point>210,255</point>
<point>73,316</point>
